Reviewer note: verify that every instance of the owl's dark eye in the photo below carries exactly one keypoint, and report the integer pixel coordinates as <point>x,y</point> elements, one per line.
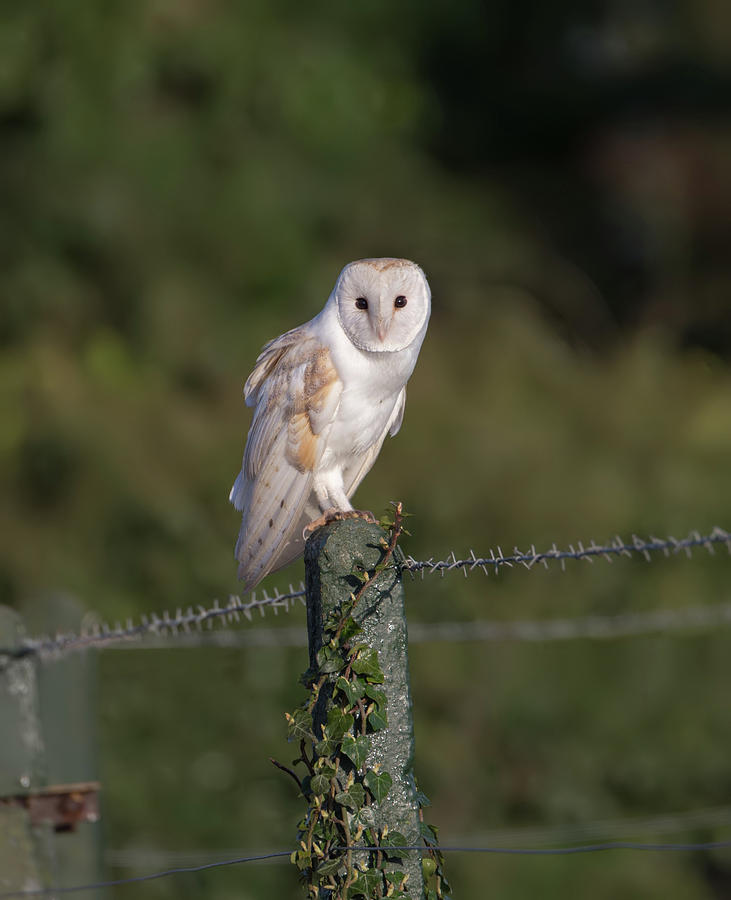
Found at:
<point>361,303</point>
<point>400,302</point>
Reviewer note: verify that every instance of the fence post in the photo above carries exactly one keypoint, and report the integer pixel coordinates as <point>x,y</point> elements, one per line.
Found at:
<point>334,555</point>
<point>24,850</point>
<point>67,689</point>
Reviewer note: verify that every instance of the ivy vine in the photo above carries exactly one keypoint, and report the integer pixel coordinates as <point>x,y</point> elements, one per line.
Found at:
<point>333,726</point>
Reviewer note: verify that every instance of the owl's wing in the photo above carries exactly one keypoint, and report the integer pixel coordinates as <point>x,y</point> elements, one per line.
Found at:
<point>295,391</point>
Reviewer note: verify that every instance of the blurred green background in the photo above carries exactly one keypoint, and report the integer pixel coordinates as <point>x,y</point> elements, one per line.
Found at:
<point>183,180</point>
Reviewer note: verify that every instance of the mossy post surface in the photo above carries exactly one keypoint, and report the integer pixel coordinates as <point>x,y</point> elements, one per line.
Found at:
<point>337,556</point>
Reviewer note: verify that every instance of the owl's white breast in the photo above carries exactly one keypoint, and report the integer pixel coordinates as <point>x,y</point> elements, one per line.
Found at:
<point>372,383</point>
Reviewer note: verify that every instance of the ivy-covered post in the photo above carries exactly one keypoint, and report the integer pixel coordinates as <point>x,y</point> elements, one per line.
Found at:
<point>355,730</point>
<point>337,557</point>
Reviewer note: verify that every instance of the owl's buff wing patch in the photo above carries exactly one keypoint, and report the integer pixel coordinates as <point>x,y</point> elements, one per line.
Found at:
<point>295,391</point>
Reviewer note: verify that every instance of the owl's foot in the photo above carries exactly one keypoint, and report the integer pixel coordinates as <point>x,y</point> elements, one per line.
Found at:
<point>335,515</point>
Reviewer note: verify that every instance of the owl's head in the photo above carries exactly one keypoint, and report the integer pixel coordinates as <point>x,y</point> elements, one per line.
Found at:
<point>382,304</point>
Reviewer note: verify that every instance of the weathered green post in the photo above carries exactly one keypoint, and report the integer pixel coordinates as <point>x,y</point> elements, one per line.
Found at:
<point>338,557</point>
<point>24,850</point>
<point>34,746</point>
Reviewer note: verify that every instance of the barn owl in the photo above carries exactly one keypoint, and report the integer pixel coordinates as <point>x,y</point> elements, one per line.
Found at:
<point>325,395</point>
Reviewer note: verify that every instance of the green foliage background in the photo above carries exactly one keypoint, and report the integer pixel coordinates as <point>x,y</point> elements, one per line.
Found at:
<point>182,181</point>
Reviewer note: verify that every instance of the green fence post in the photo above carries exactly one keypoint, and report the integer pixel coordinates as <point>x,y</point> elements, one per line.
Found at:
<point>334,555</point>
<point>67,690</point>
<point>24,850</point>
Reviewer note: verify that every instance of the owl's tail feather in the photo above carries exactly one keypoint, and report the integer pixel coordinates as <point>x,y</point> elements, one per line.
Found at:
<point>271,531</point>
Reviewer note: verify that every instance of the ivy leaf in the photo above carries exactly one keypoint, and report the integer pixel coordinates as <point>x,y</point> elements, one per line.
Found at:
<point>301,859</point>
<point>338,723</point>
<point>428,867</point>
<point>353,798</point>
<point>378,785</point>
<point>377,696</point>
<point>429,833</point>
<point>328,867</point>
<point>356,749</point>
<point>395,878</point>
<point>331,624</point>
<point>422,799</point>
<point>329,660</point>
<point>326,747</point>
<point>393,839</point>
<point>377,720</point>
<point>353,689</point>
<point>319,784</point>
<point>366,663</point>
<point>350,629</point>
<point>357,792</point>
<point>367,883</point>
<point>299,725</point>
<point>344,799</point>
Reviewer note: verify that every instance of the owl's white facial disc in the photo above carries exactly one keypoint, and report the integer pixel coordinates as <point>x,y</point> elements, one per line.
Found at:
<point>382,304</point>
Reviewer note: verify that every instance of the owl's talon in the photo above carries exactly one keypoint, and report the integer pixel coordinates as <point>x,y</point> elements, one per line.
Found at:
<point>336,515</point>
<point>364,514</point>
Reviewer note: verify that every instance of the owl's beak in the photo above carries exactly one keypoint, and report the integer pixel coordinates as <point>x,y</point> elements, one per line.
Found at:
<point>381,328</point>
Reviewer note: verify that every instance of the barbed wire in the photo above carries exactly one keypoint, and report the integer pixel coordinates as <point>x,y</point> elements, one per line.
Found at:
<point>182,622</point>
<point>192,619</point>
<point>705,846</point>
<point>689,618</point>
<point>530,558</point>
